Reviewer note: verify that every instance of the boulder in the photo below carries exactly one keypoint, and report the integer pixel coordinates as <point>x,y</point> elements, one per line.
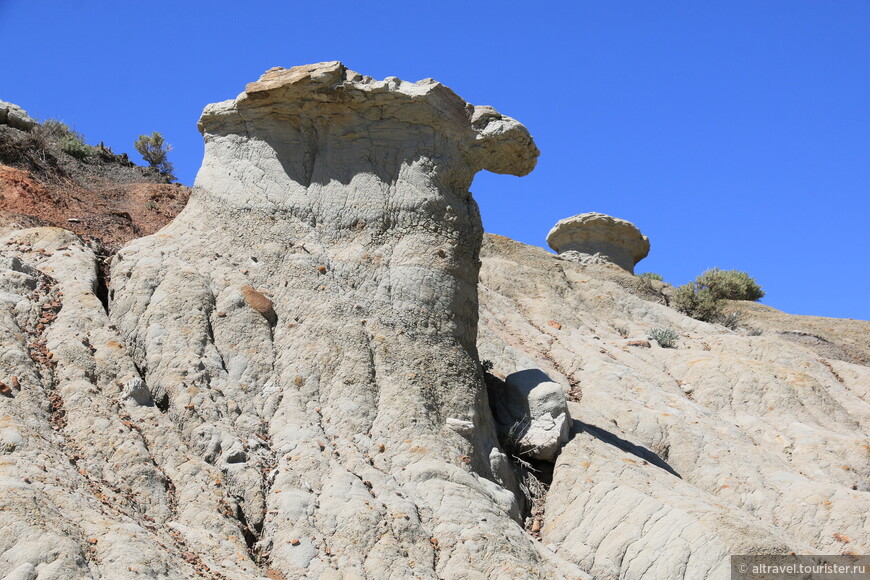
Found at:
<point>596,237</point>
<point>539,420</point>
<point>15,117</point>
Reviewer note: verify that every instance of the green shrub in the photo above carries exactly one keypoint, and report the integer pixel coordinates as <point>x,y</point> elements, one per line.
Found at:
<point>73,144</point>
<point>704,299</point>
<point>651,276</point>
<point>155,150</point>
<point>54,128</point>
<point>730,284</point>
<point>666,337</point>
<point>697,302</point>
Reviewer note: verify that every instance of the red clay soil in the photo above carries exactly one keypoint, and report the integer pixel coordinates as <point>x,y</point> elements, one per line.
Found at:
<point>113,213</point>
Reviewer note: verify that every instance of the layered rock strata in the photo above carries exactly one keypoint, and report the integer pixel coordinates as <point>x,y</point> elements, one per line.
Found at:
<point>308,324</point>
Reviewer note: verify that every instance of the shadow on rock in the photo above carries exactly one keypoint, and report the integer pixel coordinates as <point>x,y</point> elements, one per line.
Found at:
<point>620,443</point>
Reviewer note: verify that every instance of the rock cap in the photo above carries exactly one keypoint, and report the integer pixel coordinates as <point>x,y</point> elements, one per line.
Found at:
<point>597,234</point>
<point>328,94</point>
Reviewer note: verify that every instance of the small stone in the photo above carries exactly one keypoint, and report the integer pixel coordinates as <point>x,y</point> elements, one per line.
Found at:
<point>136,391</point>
<point>258,301</point>
<point>461,426</point>
<point>237,456</point>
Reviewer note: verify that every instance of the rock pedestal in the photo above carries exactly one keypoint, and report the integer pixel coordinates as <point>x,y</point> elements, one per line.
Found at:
<point>310,321</point>
<point>600,236</point>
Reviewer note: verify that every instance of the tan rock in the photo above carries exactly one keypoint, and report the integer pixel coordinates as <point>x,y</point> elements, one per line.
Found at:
<point>259,302</point>
<point>590,234</point>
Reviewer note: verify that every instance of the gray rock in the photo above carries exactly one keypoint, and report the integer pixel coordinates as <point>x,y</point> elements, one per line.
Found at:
<point>331,421</point>
<point>317,298</point>
<point>236,456</point>
<point>26,571</point>
<point>538,411</point>
<point>11,440</point>
<point>680,457</point>
<point>460,426</point>
<point>15,117</point>
<point>136,391</point>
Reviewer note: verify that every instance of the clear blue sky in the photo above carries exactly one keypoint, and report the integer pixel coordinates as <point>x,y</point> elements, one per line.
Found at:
<point>734,133</point>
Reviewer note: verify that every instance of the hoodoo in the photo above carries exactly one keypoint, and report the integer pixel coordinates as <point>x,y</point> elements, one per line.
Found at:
<point>597,235</point>
<point>287,381</point>
<point>343,203</point>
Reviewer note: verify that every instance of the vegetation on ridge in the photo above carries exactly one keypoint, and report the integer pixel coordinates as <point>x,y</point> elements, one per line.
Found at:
<point>155,151</point>
<point>704,299</point>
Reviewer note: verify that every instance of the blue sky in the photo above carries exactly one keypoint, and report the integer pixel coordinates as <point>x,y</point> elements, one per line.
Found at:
<point>734,133</point>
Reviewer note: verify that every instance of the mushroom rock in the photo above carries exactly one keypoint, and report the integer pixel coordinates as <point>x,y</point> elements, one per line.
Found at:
<point>330,401</point>
<point>602,236</point>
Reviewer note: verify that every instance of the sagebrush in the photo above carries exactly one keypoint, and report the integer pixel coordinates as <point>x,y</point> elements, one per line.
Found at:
<point>155,151</point>
<point>74,144</point>
<point>41,146</point>
<point>704,299</point>
<point>666,337</point>
<point>730,284</point>
<point>699,303</point>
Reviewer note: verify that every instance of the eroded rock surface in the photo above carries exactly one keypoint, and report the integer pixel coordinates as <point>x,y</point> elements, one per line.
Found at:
<point>732,443</point>
<point>287,381</point>
<point>594,238</point>
<point>307,325</point>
